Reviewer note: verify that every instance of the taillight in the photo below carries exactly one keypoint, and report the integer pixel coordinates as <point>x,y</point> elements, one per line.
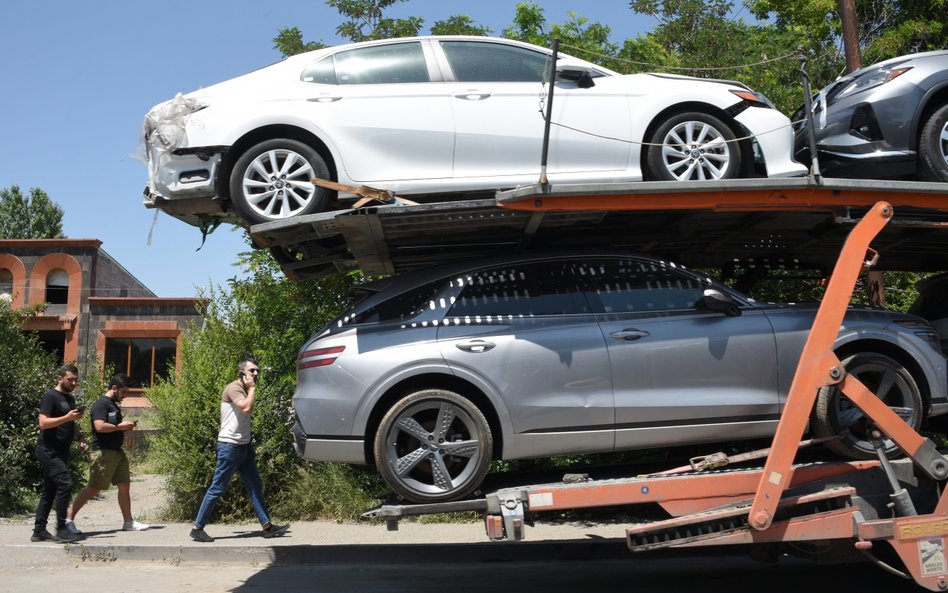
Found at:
<point>319,357</point>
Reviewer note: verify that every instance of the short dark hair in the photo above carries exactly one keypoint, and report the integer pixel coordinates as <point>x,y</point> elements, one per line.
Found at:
<point>245,361</point>
<point>67,368</point>
<point>119,381</point>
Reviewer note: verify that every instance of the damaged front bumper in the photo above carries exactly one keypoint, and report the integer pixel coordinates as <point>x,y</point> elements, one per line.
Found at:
<point>182,179</point>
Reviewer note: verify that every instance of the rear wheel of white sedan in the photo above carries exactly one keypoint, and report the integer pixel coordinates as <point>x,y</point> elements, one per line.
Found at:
<point>273,181</point>
<point>433,446</point>
<point>693,146</point>
<point>933,146</point>
<point>833,414</point>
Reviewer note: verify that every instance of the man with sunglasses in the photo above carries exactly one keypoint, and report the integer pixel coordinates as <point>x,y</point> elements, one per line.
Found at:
<point>235,453</point>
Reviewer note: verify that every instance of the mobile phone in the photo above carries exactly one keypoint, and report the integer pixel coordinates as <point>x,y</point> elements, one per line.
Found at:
<point>81,407</point>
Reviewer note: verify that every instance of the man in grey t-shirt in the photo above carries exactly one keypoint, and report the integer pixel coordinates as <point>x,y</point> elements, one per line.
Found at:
<point>235,453</point>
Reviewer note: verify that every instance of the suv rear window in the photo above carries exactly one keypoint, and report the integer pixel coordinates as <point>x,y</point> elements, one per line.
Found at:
<point>400,307</point>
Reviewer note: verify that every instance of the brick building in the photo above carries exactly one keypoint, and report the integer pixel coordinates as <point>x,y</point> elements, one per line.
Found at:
<point>95,306</point>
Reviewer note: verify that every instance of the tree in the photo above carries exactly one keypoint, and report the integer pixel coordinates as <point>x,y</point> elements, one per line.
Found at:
<point>579,37</point>
<point>29,217</point>
<point>26,371</point>
<point>459,24</point>
<point>366,21</point>
<point>289,41</point>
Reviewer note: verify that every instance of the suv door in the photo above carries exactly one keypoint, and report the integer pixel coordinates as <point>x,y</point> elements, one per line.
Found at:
<point>680,374</point>
<point>523,332</point>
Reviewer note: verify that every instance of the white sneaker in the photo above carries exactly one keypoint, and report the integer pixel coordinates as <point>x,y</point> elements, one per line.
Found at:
<point>71,527</point>
<point>134,525</point>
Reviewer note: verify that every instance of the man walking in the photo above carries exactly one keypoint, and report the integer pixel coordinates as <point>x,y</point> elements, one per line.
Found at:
<point>57,422</point>
<point>235,453</point>
<point>109,461</point>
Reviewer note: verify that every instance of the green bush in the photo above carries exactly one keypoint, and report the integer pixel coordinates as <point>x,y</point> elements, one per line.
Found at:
<point>26,372</point>
<point>267,317</point>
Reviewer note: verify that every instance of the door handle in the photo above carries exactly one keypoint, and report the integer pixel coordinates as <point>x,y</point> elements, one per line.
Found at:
<point>472,95</point>
<point>324,99</point>
<point>475,346</point>
<point>630,334</point>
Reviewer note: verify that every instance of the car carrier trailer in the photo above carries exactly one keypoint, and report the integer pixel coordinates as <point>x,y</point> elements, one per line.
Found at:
<point>867,503</point>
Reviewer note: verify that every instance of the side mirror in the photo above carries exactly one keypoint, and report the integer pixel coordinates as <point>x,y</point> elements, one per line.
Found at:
<point>580,76</point>
<point>718,302</point>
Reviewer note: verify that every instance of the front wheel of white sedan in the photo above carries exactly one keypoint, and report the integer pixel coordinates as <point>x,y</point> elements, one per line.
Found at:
<point>692,146</point>
<point>273,181</point>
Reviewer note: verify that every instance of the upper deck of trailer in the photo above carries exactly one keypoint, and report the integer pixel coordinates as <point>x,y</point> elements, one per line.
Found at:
<point>781,223</point>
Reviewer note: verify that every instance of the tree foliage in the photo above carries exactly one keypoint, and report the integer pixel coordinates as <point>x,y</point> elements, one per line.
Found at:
<point>366,21</point>
<point>289,42</point>
<point>34,216</point>
<point>265,316</point>
<point>26,372</point>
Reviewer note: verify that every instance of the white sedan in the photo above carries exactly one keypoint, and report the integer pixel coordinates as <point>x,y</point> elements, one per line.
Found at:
<point>435,118</point>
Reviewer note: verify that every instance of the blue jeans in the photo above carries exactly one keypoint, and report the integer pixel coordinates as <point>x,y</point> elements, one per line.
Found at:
<point>234,458</point>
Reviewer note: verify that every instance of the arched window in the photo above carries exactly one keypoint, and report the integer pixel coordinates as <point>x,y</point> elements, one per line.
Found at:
<point>57,287</point>
<point>6,285</point>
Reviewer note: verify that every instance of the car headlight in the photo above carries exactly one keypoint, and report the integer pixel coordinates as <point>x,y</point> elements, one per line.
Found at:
<point>165,124</point>
<point>753,98</point>
<point>867,81</point>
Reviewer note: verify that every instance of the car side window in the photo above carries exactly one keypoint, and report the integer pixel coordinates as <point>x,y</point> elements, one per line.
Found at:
<point>516,291</point>
<point>395,63</point>
<point>634,286</point>
<point>400,307</point>
<point>475,61</point>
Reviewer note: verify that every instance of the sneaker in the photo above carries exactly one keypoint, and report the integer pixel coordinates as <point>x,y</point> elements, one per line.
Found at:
<point>64,535</point>
<point>134,525</point>
<point>199,535</point>
<point>42,536</point>
<point>71,526</point>
<point>275,530</point>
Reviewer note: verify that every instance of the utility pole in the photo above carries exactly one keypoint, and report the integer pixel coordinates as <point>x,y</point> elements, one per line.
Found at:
<point>847,14</point>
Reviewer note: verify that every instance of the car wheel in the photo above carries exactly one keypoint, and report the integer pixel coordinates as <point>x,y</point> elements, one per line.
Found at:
<point>433,446</point>
<point>693,146</point>
<point>933,146</point>
<point>272,181</point>
<point>890,381</point>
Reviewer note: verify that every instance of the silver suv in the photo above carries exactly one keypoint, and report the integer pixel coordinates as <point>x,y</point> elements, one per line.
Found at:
<point>436,372</point>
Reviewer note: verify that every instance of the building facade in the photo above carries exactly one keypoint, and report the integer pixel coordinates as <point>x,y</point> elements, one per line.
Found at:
<point>95,306</point>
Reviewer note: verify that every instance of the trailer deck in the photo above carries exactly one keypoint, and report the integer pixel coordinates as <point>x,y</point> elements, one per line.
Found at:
<point>743,223</point>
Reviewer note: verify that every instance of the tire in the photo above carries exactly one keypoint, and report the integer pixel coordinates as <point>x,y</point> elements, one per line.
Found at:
<point>433,446</point>
<point>288,191</point>
<point>933,146</point>
<point>834,414</point>
<point>693,146</point>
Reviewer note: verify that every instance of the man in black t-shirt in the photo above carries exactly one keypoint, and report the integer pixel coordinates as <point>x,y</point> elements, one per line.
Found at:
<point>109,462</point>
<point>57,422</point>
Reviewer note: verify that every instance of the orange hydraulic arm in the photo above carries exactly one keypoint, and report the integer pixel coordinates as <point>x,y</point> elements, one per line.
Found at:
<point>818,366</point>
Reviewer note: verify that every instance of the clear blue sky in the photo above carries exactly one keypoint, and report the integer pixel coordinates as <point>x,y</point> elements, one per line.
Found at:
<point>79,75</point>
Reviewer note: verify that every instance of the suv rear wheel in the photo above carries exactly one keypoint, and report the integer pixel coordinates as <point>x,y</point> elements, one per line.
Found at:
<point>433,446</point>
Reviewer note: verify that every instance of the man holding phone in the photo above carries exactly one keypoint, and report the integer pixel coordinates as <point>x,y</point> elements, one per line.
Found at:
<point>57,423</point>
<point>235,453</point>
<point>109,462</point>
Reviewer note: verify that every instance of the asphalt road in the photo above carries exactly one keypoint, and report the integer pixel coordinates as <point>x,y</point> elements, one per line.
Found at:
<point>684,573</point>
